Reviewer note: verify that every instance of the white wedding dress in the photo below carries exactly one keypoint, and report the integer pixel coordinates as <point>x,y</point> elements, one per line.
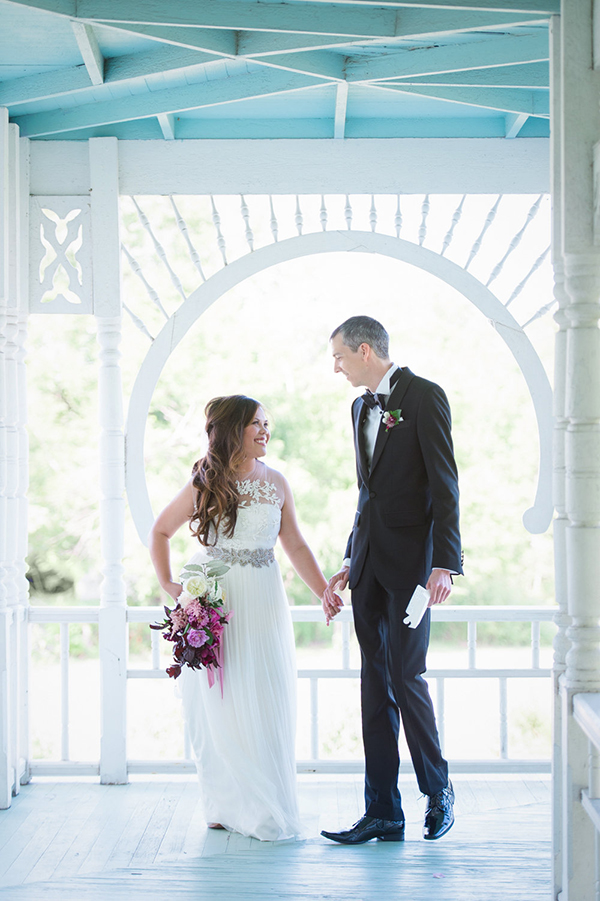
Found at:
<point>243,742</point>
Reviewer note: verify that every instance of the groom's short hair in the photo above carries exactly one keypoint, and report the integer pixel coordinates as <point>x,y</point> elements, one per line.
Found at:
<point>364,330</point>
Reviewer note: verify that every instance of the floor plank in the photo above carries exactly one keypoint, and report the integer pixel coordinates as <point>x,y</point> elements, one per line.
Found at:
<point>148,840</point>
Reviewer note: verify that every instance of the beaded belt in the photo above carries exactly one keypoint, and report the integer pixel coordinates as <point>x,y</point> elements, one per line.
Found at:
<point>243,556</point>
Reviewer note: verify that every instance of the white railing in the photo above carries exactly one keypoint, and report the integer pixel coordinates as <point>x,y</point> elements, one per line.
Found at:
<point>586,710</point>
<point>469,615</point>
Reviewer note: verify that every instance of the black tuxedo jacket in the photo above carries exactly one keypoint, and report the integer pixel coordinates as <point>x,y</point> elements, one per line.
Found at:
<point>407,516</point>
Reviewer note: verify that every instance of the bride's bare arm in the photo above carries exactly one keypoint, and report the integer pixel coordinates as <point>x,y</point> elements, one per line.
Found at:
<point>298,551</point>
<point>167,523</point>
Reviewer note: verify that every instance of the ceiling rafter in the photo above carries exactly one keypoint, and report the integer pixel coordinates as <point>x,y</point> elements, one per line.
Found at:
<point>488,53</point>
<point>170,100</point>
<point>530,76</point>
<point>534,103</point>
<point>90,51</point>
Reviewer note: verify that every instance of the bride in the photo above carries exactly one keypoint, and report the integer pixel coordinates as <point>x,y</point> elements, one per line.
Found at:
<point>243,740</point>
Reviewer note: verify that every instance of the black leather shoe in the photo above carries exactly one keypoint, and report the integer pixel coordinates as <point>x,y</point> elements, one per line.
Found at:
<point>439,815</point>
<point>366,829</point>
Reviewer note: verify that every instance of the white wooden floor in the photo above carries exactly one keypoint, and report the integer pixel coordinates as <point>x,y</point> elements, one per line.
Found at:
<point>78,841</point>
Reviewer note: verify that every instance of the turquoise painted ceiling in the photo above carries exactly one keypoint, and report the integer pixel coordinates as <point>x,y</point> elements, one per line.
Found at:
<point>74,69</point>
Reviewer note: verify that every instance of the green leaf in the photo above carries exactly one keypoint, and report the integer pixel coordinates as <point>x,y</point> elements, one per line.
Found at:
<point>216,569</point>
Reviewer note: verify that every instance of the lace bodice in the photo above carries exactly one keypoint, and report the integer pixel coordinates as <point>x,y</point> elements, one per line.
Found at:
<point>259,512</point>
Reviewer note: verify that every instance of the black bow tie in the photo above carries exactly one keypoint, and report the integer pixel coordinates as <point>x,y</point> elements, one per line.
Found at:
<point>374,400</point>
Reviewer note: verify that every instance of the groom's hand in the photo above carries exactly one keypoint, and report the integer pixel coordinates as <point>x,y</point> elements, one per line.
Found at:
<point>439,584</point>
<point>339,581</point>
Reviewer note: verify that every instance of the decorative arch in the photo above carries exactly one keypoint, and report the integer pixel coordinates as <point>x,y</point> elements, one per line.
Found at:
<point>536,519</point>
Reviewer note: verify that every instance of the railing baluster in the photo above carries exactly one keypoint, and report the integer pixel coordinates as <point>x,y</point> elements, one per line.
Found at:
<point>183,228</point>
<point>477,245</point>
<point>348,213</point>
<point>533,269</point>
<point>64,690</point>
<point>503,717</point>
<point>398,218</point>
<point>515,241</point>
<point>138,322</point>
<point>453,224</point>
<point>323,214</point>
<point>373,214</point>
<point>535,644</point>
<point>246,217</point>
<point>137,269</point>
<point>298,218</point>
<point>273,221</point>
<point>472,643</point>
<point>160,250</point>
<point>216,218</point>
<point>424,214</point>
<point>314,718</point>
<point>155,646</point>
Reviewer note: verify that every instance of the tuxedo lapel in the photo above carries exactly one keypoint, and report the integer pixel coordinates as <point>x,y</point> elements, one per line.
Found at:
<point>393,403</point>
<point>359,413</point>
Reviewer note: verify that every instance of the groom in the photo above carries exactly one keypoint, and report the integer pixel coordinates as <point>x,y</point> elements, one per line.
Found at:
<point>405,534</point>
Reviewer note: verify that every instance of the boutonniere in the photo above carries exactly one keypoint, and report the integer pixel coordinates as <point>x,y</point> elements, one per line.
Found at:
<point>391,418</point>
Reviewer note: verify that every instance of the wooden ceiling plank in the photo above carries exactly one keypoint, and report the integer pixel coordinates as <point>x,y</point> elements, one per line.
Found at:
<point>90,51</point>
<point>499,51</point>
<point>170,100</point>
<point>210,40</point>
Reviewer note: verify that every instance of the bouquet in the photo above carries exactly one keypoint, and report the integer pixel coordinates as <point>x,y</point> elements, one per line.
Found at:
<point>195,625</point>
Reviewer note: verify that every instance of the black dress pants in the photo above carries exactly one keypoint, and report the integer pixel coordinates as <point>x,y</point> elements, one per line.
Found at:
<point>392,685</point>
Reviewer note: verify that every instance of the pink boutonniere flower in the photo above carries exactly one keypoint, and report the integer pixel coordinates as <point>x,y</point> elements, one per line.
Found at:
<point>392,418</point>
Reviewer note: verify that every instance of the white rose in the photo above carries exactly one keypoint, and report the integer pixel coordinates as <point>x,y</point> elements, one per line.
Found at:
<point>184,598</point>
<point>196,586</point>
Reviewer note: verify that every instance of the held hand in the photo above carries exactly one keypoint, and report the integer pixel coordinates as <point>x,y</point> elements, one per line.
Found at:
<point>332,604</point>
<point>173,589</point>
<point>440,586</point>
<point>340,580</point>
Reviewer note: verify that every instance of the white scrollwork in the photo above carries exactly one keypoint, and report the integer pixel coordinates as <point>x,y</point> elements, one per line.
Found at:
<point>60,274</point>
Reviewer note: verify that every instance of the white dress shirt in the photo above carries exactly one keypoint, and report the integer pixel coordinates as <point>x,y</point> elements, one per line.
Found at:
<point>373,418</point>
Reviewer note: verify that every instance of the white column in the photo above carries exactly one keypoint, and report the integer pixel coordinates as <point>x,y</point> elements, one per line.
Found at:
<point>562,618</point>
<point>104,175</point>
<point>579,132</point>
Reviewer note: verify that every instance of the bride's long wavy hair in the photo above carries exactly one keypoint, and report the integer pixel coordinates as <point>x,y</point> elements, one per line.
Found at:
<point>215,474</point>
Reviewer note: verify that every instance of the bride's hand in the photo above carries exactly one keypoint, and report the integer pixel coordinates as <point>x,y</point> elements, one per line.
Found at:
<point>173,589</point>
<point>332,604</point>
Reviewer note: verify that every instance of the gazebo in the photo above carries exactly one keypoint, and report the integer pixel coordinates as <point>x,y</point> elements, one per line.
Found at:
<point>321,97</point>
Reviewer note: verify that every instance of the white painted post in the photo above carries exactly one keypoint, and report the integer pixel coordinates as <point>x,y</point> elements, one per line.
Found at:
<point>6,773</point>
<point>104,180</point>
<point>580,131</point>
<point>562,618</point>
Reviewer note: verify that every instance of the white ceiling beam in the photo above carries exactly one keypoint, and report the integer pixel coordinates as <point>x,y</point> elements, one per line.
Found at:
<point>534,103</point>
<point>514,122</point>
<point>341,105</point>
<point>502,50</point>
<point>90,51</point>
<point>171,100</point>
<point>529,76</point>
<point>167,125</point>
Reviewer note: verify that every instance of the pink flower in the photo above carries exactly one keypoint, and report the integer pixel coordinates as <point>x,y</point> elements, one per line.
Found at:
<point>179,619</point>
<point>197,637</point>
<point>196,613</point>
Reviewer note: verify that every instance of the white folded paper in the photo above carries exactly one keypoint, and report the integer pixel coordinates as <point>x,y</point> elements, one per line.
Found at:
<point>416,607</point>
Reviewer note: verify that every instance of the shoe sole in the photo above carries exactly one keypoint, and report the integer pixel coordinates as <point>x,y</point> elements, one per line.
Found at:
<point>392,837</point>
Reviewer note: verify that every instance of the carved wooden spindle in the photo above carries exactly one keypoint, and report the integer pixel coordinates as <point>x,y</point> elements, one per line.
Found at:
<point>516,240</point>
<point>455,220</point>
<point>477,245</point>
<point>398,218</point>
<point>139,323</point>
<point>298,218</point>
<point>273,221</point>
<point>246,217</point>
<point>540,313</point>
<point>424,214</point>
<point>183,228</point>
<point>522,284</point>
<point>373,214</point>
<point>161,252</point>
<point>348,213</point>
<point>137,269</point>
<point>216,218</point>
<point>323,214</point>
